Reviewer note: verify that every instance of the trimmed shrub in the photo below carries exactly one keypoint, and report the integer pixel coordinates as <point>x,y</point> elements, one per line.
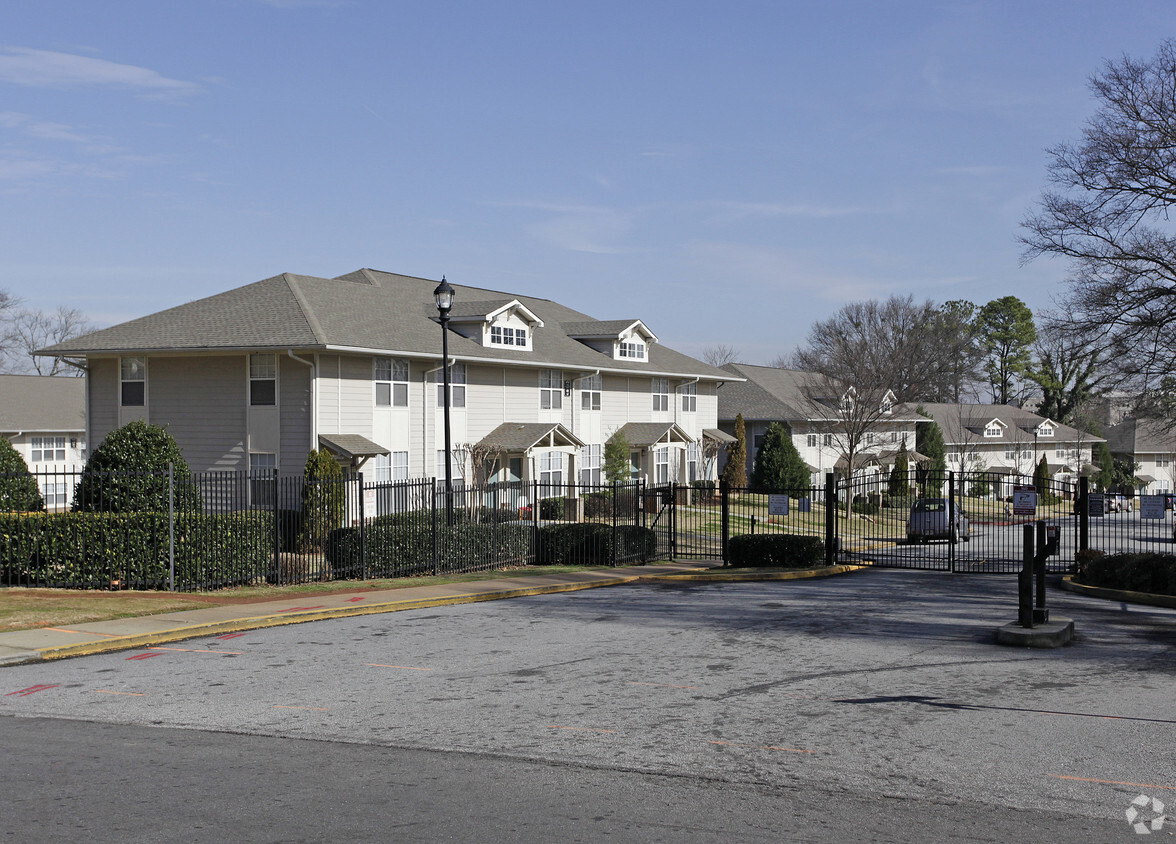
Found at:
<point>589,544</point>
<point>1153,573</point>
<point>779,550</point>
<point>130,550</point>
<point>551,509</point>
<point>599,505</point>
<point>403,545</point>
<point>18,488</point>
<point>323,499</point>
<point>128,473</point>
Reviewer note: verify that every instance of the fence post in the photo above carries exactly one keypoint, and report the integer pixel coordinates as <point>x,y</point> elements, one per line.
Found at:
<point>171,528</point>
<point>436,537</point>
<point>1083,514</point>
<point>952,536</point>
<point>673,521</point>
<point>277,531</point>
<point>612,557</point>
<point>362,530</point>
<point>830,518</point>
<point>725,518</point>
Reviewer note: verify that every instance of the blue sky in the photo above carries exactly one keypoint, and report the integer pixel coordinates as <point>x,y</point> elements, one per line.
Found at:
<point>728,172</point>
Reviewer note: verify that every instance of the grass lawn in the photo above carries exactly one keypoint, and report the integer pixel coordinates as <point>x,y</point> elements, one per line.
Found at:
<point>27,609</point>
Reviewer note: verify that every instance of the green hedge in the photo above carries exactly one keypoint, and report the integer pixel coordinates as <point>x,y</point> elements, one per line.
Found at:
<point>592,544</point>
<point>403,545</point>
<point>1149,572</point>
<point>130,550</point>
<point>781,550</point>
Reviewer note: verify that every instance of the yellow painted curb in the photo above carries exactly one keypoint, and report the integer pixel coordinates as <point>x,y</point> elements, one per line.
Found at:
<point>736,577</point>
<point>1123,595</point>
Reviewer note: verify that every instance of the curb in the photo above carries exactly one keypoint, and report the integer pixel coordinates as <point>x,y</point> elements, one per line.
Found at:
<point>1121,595</point>
<point>740,577</point>
<point>237,625</point>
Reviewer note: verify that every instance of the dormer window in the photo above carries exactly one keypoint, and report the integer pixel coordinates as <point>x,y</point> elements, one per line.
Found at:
<point>633,350</point>
<point>1045,430</point>
<point>502,335</point>
<point>993,429</point>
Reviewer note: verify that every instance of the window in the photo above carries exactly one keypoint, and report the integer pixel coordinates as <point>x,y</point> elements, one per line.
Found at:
<point>1059,450</point>
<point>692,452</point>
<point>390,467</point>
<point>689,398</point>
<point>894,436</point>
<point>456,467</point>
<point>1045,431</point>
<point>590,464</point>
<point>661,394</point>
<point>550,389</point>
<point>1010,451</point>
<point>261,478</point>
<point>53,492</point>
<point>500,335</point>
<point>457,386</point>
<point>952,457</point>
<point>1164,461</point>
<point>263,379</point>
<point>993,429</point>
<point>811,441</point>
<point>551,466</point>
<point>634,465</point>
<point>47,449</point>
<point>828,439</point>
<point>887,406</point>
<point>134,382</point>
<point>870,437</point>
<point>590,388</point>
<point>391,377</point>
<point>661,466</point>
<point>631,350</point>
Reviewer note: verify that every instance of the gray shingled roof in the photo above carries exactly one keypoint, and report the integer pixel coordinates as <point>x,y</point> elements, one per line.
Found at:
<point>1141,436</point>
<point>38,403</point>
<point>351,445</point>
<point>645,434</point>
<point>780,395</point>
<point>597,327</point>
<point>365,310</point>
<point>964,423</point>
<point>523,436</point>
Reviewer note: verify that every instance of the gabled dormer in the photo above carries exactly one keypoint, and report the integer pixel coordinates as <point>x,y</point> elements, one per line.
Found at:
<point>498,324</point>
<point>994,428</point>
<point>620,339</point>
<point>886,406</point>
<point>1046,428</point>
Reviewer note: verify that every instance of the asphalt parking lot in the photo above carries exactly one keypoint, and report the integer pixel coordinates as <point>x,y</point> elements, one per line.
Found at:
<point>878,684</point>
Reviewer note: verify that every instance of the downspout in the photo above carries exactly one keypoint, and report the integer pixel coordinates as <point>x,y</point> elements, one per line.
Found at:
<point>313,397</point>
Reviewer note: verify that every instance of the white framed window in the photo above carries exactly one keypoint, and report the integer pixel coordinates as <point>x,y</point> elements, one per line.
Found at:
<point>590,388</point>
<point>550,389</point>
<point>391,377</point>
<point>828,439</point>
<point>457,386</point>
<point>551,468</point>
<point>501,335</point>
<point>811,441</point>
<point>894,436</point>
<point>631,349</point>
<point>952,457</point>
<point>1164,461</point>
<point>1010,451</point>
<point>1060,450</point>
<point>661,466</point>
<point>1045,431</point>
<point>871,437</point>
<point>133,382</point>
<point>993,429</point>
<point>634,465</point>
<point>261,477</point>
<point>53,493</point>
<point>690,398</point>
<point>660,387</point>
<point>47,449</point>
<point>590,457</point>
<point>887,406</point>
<point>692,460</point>
<point>456,467</point>
<point>263,379</point>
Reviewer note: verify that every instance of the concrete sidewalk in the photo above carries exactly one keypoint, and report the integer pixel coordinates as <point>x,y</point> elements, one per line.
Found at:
<point>98,637</point>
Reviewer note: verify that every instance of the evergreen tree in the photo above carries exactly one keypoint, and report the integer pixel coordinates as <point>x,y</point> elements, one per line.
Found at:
<point>323,499</point>
<point>778,466</point>
<point>1041,483</point>
<point>899,484</point>
<point>929,443</point>
<point>1105,476</point>
<point>616,460</point>
<point>128,472</point>
<point>18,488</point>
<point>735,472</point>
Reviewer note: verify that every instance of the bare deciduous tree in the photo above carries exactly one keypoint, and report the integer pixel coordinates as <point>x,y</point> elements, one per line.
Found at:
<point>720,354</point>
<point>1108,215</point>
<point>29,330</point>
<point>1069,369</point>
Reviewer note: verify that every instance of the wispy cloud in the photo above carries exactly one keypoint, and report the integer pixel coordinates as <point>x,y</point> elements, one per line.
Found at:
<point>579,228</point>
<point>46,69</point>
<point>733,210</point>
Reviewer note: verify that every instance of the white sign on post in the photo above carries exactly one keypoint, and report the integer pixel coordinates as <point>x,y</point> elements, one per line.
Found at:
<point>1024,501</point>
<point>1151,506</point>
<point>777,505</point>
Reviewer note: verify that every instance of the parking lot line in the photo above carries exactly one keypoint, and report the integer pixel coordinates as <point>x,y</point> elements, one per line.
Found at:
<point>581,729</point>
<point>313,708</point>
<point>405,667</point>
<point>663,685</point>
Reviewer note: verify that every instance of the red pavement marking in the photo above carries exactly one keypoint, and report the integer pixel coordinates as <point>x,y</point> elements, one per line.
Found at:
<point>231,636</point>
<point>353,600</point>
<point>296,609</point>
<point>195,650</point>
<point>143,656</point>
<point>31,690</point>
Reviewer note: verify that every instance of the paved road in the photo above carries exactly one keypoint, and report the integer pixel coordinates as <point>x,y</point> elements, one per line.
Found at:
<point>871,696</point>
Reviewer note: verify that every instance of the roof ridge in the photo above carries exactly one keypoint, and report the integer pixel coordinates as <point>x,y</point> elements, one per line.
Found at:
<point>320,336</point>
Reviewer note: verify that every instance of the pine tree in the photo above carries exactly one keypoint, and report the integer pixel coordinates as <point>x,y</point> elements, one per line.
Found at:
<point>735,472</point>
<point>899,484</point>
<point>929,443</point>
<point>1041,483</point>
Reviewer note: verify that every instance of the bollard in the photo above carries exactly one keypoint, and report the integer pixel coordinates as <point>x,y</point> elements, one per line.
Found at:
<point>1025,580</point>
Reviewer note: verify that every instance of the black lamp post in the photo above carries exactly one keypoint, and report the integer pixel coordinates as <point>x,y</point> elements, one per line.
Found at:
<point>443,296</point>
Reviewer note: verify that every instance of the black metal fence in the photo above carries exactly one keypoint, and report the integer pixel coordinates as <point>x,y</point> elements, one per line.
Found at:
<point>212,530</point>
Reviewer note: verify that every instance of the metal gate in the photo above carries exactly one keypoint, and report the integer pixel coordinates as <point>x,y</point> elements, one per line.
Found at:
<point>954,521</point>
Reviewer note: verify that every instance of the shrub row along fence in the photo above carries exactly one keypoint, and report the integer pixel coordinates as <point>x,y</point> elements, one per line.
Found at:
<point>219,529</point>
